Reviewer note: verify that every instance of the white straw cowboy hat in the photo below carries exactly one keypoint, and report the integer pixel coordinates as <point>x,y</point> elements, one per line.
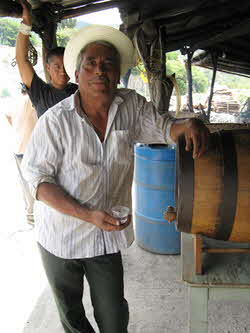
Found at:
<point>93,33</point>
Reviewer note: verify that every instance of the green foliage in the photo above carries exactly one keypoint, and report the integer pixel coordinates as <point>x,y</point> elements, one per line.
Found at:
<point>233,81</point>
<point>175,65</point>
<point>8,32</point>
<point>138,69</point>
<point>178,68</point>
<point>64,35</point>
<point>67,23</point>
<point>200,81</point>
<point>201,77</point>
<point>172,56</point>
<point>4,93</point>
<point>35,39</point>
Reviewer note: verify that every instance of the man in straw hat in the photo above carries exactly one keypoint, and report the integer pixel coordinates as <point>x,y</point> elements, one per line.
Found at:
<point>80,164</point>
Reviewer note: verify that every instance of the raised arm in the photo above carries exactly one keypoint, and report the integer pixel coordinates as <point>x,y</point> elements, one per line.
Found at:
<point>22,44</point>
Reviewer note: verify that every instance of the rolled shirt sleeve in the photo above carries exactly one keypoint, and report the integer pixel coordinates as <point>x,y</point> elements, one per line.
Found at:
<point>43,154</point>
<point>152,127</point>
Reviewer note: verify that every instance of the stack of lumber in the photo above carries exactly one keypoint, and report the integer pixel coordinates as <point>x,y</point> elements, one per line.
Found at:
<point>223,101</point>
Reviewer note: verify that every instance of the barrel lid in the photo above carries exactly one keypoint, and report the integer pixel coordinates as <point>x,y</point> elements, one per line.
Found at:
<point>156,152</point>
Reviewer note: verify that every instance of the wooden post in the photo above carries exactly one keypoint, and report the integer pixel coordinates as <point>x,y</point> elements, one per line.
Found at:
<point>214,60</point>
<point>198,253</point>
<point>197,248</point>
<point>188,65</point>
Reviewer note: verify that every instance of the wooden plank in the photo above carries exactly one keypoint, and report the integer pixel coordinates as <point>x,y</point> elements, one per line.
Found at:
<point>187,261</point>
<point>213,127</point>
<point>226,250</point>
<point>91,8</point>
<point>235,31</point>
<point>197,253</point>
<point>10,8</point>
<point>198,305</point>
<point>221,269</point>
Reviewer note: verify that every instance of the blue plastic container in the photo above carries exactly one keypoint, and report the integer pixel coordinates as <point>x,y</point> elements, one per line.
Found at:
<point>154,190</point>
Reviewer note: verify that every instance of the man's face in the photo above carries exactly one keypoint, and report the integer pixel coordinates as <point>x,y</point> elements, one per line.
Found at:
<point>58,75</point>
<point>99,72</point>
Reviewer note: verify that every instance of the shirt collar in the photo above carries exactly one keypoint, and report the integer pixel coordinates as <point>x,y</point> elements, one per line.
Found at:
<point>75,101</point>
<point>77,104</point>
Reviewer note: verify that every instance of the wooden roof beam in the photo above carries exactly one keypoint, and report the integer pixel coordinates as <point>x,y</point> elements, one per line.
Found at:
<point>238,30</point>
<point>226,68</point>
<point>200,38</point>
<point>69,13</point>
<point>240,68</point>
<point>10,8</point>
<point>71,5</point>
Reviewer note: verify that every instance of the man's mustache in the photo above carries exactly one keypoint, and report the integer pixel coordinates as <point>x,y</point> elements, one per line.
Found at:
<point>100,78</point>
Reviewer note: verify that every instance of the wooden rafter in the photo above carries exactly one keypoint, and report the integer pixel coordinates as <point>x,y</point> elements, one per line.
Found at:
<point>10,8</point>
<point>238,30</point>
<point>91,8</point>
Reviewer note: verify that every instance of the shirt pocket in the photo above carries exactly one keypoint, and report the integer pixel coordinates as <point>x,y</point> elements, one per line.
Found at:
<point>121,146</point>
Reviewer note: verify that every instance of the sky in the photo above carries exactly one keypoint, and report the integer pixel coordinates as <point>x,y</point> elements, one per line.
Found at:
<point>107,17</point>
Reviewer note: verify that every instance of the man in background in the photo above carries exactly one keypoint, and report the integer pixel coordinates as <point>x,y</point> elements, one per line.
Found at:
<point>43,95</point>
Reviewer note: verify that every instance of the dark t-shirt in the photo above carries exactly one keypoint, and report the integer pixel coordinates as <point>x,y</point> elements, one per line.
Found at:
<point>43,96</point>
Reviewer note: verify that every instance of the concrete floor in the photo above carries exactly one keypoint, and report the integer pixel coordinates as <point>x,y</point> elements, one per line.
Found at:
<point>157,298</point>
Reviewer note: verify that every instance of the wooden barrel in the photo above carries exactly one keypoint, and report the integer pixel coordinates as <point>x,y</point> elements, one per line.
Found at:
<point>213,192</point>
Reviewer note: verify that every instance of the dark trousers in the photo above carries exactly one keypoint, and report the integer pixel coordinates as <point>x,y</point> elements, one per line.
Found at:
<point>105,277</point>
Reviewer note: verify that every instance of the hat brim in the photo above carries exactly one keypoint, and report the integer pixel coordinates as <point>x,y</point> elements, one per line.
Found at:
<point>93,33</point>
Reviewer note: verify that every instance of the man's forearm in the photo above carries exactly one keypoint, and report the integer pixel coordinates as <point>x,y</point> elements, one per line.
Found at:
<point>54,196</point>
<point>22,47</point>
<point>25,68</point>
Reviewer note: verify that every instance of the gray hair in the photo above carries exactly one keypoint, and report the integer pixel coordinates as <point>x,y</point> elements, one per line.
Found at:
<point>99,42</point>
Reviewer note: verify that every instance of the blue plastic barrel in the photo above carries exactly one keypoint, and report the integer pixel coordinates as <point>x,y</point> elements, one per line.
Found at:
<point>154,190</point>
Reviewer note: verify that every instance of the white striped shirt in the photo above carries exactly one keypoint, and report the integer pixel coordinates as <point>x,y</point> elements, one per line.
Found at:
<point>64,149</point>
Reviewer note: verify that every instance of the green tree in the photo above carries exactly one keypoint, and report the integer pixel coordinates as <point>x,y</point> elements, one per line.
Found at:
<point>175,65</point>
<point>200,81</point>
<point>67,23</point>
<point>9,29</point>
<point>64,35</point>
<point>35,39</point>
<point>172,56</point>
<point>8,32</point>
<point>233,81</point>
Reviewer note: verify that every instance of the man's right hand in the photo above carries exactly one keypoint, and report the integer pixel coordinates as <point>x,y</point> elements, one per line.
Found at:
<point>26,16</point>
<point>107,222</point>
